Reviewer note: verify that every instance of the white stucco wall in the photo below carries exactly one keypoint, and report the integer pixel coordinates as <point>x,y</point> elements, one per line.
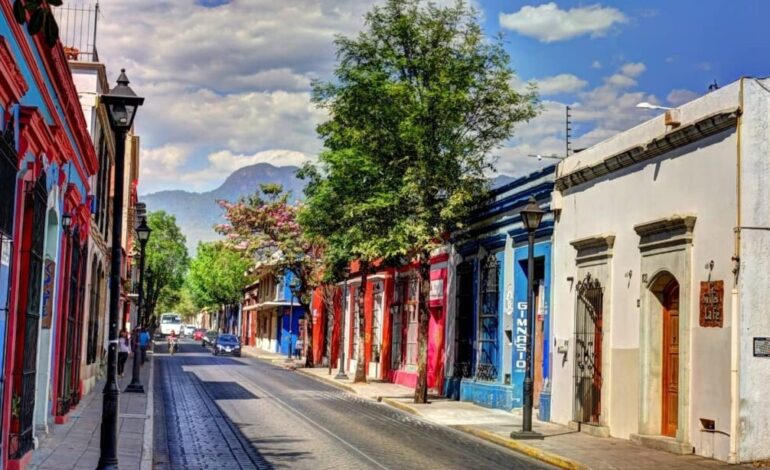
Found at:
<point>698,179</point>
<point>753,424</point>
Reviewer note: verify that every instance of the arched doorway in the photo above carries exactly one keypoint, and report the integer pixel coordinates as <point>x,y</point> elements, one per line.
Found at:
<point>670,356</point>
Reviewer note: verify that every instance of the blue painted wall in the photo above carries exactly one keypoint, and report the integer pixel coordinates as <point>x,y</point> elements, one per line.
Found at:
<point>298,313</point>
<point>521,253</point>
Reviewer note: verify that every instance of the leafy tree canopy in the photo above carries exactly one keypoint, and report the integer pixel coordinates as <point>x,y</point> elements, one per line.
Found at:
<point>217,275</point>
<point>166,261</point>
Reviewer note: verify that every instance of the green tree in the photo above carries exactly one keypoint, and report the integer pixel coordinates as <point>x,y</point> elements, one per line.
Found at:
<point>166,263</point>
<point>217,275</point>
<point>421,99</point>
<point>265,225</point>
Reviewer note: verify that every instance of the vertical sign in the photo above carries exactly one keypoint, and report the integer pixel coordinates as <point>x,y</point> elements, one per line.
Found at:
<point>49,270</point>
<point>436,298</point>
<point>5,252</point>
<point>520,338</point>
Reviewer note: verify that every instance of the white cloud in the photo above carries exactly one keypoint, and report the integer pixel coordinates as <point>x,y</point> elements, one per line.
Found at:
<point>596,64</point>
<point>562,83</point>
<point>232,78</point>
<point>620,80</point>
<point>681,96</point>
<point>549,23</point>
<point>632,69</point>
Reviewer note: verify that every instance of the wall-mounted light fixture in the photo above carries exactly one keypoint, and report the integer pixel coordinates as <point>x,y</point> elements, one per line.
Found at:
<point>66,221</point>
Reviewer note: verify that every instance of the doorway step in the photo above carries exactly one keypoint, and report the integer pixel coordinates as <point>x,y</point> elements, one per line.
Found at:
<point>665,443</point>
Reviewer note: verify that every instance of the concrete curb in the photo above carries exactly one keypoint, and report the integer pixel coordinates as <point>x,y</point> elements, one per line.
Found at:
<point>521,448</point>
<point>328,381</point>
<point>399,406</point>
<point>148,442</point>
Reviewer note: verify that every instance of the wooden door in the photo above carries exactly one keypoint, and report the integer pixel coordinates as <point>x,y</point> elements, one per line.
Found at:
<point>670,384</point>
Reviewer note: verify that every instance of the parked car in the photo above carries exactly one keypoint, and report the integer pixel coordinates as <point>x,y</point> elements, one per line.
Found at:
<point>198,334</point>
<point>227,344</point>
<point>209,339</point>
<point>189,330</point>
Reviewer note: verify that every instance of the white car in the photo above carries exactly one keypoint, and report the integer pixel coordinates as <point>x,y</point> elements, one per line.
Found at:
<point>189,330</point>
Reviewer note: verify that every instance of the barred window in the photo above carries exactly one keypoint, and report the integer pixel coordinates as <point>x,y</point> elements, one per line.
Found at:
<point>489,320</point>
<point>8,170</point>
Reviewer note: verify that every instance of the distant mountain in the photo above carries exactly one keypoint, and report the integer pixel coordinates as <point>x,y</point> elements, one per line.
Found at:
<point>197,213</point>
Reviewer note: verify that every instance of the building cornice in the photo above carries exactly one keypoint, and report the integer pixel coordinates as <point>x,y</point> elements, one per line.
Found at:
<point>593,248</point>
<point>665,232</point>
<point>678,137</point>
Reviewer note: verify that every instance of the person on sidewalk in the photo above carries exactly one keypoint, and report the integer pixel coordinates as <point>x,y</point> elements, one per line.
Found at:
<point>124,349</point>
<point>144,343</point>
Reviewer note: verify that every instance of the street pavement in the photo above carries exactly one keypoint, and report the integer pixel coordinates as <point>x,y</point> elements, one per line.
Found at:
<point>229,413</point>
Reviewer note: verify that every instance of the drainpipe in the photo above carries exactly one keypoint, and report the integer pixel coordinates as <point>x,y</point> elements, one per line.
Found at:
<point>735,305</point>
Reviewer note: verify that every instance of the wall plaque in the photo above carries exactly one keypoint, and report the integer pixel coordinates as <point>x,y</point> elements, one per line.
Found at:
<point>712,294</point>
<point>761,347</point>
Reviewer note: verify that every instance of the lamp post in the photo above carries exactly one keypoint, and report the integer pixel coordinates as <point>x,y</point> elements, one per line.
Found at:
<point>293,285</point>
<point>341,375</point>
<point>121,103</point>
<point>143,234</point>
<point>531,216</point>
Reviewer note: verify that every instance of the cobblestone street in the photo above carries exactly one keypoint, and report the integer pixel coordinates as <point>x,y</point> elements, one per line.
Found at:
<point>214,412</point>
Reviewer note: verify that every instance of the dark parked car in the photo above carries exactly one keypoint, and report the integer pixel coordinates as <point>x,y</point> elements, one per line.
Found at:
<point>227,344</point>
<point>209,338</point>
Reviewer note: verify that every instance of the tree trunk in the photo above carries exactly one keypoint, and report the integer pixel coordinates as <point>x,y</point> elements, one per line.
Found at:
<point>421,389</point>
<point>328,292</point>
<point>360,353</point>
<point>309,362</point>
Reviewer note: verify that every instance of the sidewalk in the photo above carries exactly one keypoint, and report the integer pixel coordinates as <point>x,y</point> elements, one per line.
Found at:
<point>562,446</point>
<point>75,444</point>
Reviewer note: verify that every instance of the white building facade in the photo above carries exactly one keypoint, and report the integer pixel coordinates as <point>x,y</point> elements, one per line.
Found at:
<point>661,307</point>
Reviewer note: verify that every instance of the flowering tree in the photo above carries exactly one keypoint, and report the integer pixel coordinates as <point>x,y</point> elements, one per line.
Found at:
<point>265,226</point>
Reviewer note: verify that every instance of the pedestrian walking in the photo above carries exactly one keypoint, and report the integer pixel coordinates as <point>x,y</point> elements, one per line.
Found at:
<point>144,343</point>
<point>124,349</point>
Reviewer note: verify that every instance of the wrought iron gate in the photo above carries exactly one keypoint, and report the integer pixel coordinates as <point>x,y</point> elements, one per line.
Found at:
<point>24,378</point>
<point>588,350</point>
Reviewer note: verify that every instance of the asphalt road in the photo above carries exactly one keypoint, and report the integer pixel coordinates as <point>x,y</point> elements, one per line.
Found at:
<point>228,413</point>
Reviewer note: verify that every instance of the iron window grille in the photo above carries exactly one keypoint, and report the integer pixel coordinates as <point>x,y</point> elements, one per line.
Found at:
<point>8,172</point>
<point>22,439</point>
<point>588,350</point>
<point>489,321</point>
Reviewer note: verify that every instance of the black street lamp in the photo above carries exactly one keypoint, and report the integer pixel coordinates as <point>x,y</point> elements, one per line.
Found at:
<point>531,216</point>
<point>121,103</point>
<point>341,375</point>
<point>143,234</point>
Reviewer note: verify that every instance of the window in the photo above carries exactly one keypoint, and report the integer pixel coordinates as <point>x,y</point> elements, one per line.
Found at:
<point>464,339</point>
<point>356,322</point>
<point>397,312</point>
<point>8,170</point>
<point>488,320</point>
<point>377,322</point>
<point>412,313</point>
<point>93,315</point>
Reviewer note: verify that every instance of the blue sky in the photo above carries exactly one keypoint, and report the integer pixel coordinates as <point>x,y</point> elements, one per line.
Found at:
<point>227,81</point>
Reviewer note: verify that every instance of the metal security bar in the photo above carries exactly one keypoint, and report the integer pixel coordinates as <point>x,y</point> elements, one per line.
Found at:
<point>77,30</point>
<point>22,438</point>
<point>588,350</point>
<point>489,321</point>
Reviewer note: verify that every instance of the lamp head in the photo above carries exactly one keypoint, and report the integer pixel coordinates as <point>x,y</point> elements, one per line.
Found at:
<point>143,231</point>
<point>532,215</point>
<point>122,104</point>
